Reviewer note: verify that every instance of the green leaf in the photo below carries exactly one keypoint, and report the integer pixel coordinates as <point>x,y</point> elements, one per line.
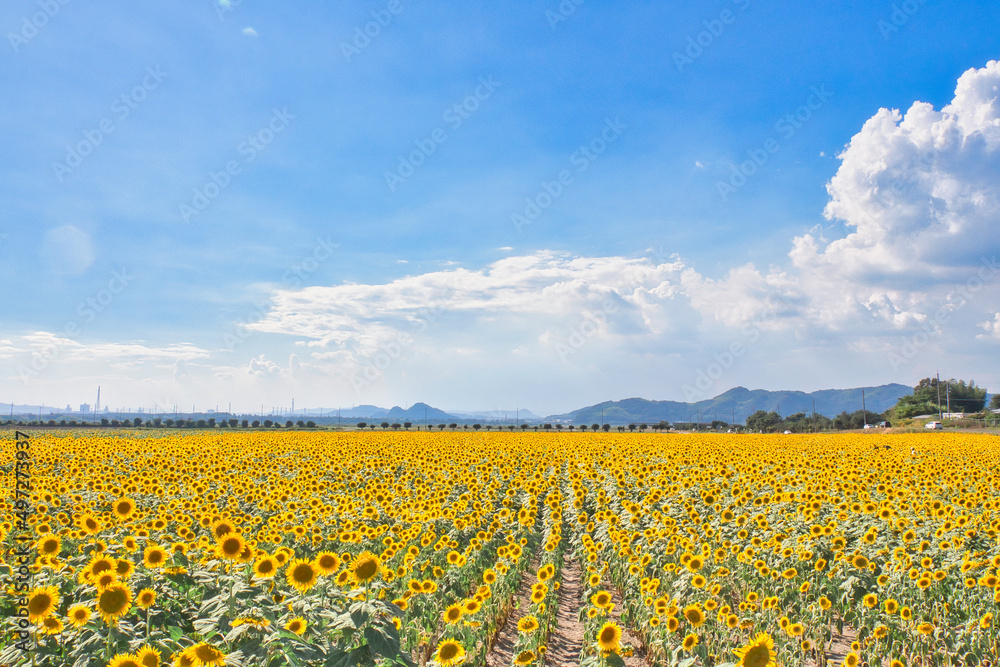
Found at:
<point>379,643</point>
<point>615,660</point>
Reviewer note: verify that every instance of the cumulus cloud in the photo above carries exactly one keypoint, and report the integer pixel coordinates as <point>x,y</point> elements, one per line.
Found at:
<point>992,328</point>
<point>916,196</point>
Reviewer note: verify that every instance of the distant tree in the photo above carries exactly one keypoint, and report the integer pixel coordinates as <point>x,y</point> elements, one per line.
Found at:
<point>524,427</point>
<point>395,426</point>
<point>289,423</point>
<point>300,424</point>
<point>267,423</point>
<point>384,425</point>
<point>477,426</point>
<point>571,427</point>
<point>223,423</point>
<point>607,427</point>
<point>764,422</point>
<point>255,423</point>
<point>995,402</point>
<point>310,424</point>
<point>643,427</point>
<point>547,427</point>
<point>104,421</point>
<point>371,427</point>
<point>594,427</point>
<point>157,422</point>
<point>559,427</point>
<point>211,422</point>
<point>362,424</point>
<point>137,421</point>
<point>924,400</point>
<point>407,425</point>
<point>631,427</point>
<point>245,423</point>
<point>489,427</point>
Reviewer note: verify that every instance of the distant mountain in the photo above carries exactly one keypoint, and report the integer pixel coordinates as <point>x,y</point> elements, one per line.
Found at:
<point>417,413</point>
<point>499,415</point>
<point>738,403</point>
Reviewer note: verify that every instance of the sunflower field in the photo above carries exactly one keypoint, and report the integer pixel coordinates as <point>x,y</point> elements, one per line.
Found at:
<point>260,549</point>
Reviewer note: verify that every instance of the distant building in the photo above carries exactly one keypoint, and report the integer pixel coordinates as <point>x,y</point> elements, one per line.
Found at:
<point>84,407</point>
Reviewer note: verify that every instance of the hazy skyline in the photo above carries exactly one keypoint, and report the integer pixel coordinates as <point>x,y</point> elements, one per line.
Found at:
<point>483,207</point>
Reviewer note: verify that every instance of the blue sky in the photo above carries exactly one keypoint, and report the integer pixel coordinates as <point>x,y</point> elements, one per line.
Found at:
<point>223,182</point>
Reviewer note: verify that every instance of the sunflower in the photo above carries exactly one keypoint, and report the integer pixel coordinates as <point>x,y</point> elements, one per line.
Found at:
<point>296,625</point>
<point>78,615</point>
<point>125,660</point>
<point>42,602</point>
<point>758,653</point>
<point>489,576</point>
<point>527,624</point>
<point>114,602</point>
<point>524,658</point>
<point>344,578</point>
<point>870,600</point>
<point>601,600</point>
<point>221,528</point>
<point>471,606</point>
<point>690,642</point>
<point>694,615</point>
<point>146,598</point>
<point>89,524</point>
<point>891,606</point>
<point>124,568</point>
<point>265,567</point>
<point>453,614</point>
<point>546,572</point>
<point>301,574</point>
<point>205,655</point>
<point>49,545</point>
<point>366,566</point>
<point>609,637</point>
<point>51,625</point>
<point>230,546</point>
<point>154,556</point>
<point>104,580</point>
<point>123,508</point>
<point>148,656</point>
<point>449,653</point>
<point>327,562</point>
<point>851,660</point>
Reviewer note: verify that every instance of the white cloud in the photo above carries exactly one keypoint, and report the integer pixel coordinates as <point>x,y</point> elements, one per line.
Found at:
<point>249,32</point>
<point>992,328</point>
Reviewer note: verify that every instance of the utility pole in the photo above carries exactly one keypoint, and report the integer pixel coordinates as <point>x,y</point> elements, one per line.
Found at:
<point>947,394</point>
<point>864,411</point>
<point>940,416</point>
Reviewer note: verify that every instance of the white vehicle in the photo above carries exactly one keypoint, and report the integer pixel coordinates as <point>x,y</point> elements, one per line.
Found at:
<point>933,425</point>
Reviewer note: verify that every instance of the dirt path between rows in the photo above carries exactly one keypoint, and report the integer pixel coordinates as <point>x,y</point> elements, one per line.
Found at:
<point>502,652</point>
<point>566,641</point>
